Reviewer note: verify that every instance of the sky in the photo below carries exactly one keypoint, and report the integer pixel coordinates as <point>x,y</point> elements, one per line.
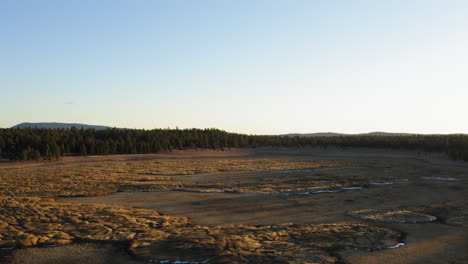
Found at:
<point>247,66</point>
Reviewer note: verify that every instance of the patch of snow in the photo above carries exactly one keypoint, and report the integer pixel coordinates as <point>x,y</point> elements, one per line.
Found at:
<point>381,183</point>
<point>430,219</point>
<point>7,248</point>
<point>164,190</point>
<point>229,191</point>
<point>366,249</point>
<point>242,170</point>
<point>334,191</point>
<point>397,245</point>
<point>179,261</point>
<point>322,191</point>
<point>400,180</point>
<point>440,179</point>
<point>351,188</point>
<point>326,169</point>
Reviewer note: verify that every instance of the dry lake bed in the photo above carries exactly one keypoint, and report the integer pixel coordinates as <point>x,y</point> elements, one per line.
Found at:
<point>266,205</point>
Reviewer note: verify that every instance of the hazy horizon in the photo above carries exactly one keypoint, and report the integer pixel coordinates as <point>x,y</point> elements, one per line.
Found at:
<point>254,67</point>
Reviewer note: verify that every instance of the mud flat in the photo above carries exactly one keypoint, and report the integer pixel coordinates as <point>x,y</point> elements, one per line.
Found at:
<point>241,206</point>
<point>425,243</point>
<point>87,253</point>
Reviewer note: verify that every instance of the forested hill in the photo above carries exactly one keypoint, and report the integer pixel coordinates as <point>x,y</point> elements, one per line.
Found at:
<point>36,144</point>
<point>58,125</point>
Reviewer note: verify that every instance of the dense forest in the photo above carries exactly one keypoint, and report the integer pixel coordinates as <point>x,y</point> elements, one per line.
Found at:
<point>36,144</point>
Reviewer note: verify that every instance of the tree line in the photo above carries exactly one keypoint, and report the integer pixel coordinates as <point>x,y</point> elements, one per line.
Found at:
<point>37,144</point>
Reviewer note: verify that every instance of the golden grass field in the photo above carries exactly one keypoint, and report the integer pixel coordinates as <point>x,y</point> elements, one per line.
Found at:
<point>262,205</point>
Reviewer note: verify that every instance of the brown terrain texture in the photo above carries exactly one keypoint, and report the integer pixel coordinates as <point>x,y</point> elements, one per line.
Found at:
<point>267,205</point>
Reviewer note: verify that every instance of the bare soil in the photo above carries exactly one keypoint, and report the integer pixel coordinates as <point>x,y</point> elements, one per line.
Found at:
<point>268,205</point>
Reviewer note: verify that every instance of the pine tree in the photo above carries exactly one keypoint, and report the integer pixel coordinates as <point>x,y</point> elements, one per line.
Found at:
<point>83,150</point>
<point>36,155</point>
<point>48,153</point>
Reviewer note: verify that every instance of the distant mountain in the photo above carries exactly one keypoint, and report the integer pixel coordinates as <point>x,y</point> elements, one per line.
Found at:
<point>332,134</point>
<point>58,125</point>
<point>386,134</point>
<point>320,134</point>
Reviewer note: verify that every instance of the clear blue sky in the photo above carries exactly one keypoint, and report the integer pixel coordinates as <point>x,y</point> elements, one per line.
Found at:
<point>261,67</point>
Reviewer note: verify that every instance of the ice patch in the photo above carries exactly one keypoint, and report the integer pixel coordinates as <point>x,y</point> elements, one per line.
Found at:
<point>326,169</point>
<point>334,191</point>
<point>429,219</point>
<point>322,191</point>
<point>367,249</point>
<point>164,190</point>
<point>397,245</point>
<point>254,193</point>
<point>401,180</point>
<point>440,179</point>
<point>381,183</point>
<point>10,248</point>
<point>288,171</point>
<point>179,261</point>
<point>174,262</point>
<point>351,188</point>
<point>229,191</point>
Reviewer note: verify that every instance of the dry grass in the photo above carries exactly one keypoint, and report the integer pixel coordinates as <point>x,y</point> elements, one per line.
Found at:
<point>31,214</point>
<point>100,178</point>
<point>29,222</point>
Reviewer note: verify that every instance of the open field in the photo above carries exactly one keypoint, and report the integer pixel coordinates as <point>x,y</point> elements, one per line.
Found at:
<point>264,205</point>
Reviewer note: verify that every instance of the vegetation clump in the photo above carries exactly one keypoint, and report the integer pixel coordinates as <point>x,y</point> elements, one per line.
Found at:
<point>26,222</point>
